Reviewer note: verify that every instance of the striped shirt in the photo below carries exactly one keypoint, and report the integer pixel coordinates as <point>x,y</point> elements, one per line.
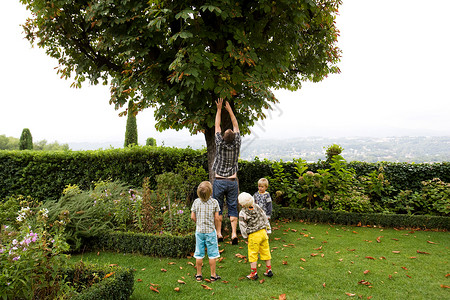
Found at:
<point>227,155</point>
<point>204,213</point>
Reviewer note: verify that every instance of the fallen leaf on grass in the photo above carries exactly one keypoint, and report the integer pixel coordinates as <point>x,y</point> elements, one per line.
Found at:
<point>379,239</point>
<point>225,281</point>
<point>206,287</point>
<point>163,270</point>
<point>177,289</point>
<point>350,294</point>
<point>171,263</point>
<point>240,255</point>
<point>314,254</point>
<point>404,268</point>
<point>446,275</point>
<point>277,239</point>
<point>366,271</point>
<point>370,257</point>
<point>154,289</point>
<point>396,252</point>
<point>430,242</point>
<point>285,262</point>
<point>282,297</point>
<point>364,282</point>
<point>191,263</point>
<point>261,281</point>
<point>139,280</point>
<point>421,252</point>
<point>445,286</point>
<point>181,281</point>
<point>320,248</point>
<point>324,285</point>
<point>351,249</point>
<point>302,259</point>
<point>408,276</point>
<point>413,257</point>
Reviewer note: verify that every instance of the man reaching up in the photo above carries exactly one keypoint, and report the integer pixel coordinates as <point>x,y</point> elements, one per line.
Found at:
<point>225,167</point>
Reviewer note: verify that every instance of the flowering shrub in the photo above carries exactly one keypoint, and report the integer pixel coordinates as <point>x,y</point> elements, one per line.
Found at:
<point>32,256</point>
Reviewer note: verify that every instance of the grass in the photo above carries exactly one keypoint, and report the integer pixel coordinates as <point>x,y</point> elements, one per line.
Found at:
<point>310,261</point>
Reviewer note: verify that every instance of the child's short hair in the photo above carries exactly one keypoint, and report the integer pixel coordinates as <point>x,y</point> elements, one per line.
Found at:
<point>263,181</point>
<point>204,190</point>
<point>245,199</point>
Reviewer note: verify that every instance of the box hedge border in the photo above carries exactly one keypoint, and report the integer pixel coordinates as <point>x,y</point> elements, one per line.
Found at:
<point>165,245</point>
<point>118,286</point>
<point>347,218</point>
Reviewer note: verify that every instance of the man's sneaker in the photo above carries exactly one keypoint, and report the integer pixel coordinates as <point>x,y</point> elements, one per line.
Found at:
<point>268,273</point>
<point>252,276</point>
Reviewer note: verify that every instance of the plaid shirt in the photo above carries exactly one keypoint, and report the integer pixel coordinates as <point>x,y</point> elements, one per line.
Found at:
<point>227,155</point>
<point>265,201</point>
<point>204,213</point>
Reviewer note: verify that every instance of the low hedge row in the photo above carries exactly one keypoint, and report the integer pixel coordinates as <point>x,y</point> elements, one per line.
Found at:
<point>165,245</point>
<point>346,218</point>
<point>116,283</point>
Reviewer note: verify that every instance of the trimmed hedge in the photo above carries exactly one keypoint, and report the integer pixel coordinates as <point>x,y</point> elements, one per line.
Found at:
<point>346,218</point>
<point>118,286</point>
<point>165,245</point>
<point>44,174</point>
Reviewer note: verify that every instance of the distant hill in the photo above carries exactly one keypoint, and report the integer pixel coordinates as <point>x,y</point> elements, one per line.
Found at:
<point>369,149</point>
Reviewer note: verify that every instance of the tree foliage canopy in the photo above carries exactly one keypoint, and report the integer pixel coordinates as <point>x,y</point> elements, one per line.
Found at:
<point>179,56</point>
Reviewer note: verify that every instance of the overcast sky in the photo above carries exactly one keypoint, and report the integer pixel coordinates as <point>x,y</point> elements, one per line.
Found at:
<point>394,81</point>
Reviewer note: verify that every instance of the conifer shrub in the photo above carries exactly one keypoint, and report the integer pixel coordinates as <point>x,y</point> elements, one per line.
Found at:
<point>131,133</point>
<point>26,140</point>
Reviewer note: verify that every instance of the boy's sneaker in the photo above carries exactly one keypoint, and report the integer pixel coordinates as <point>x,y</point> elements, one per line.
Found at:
<point>252,276</point>
<point>268,273</point>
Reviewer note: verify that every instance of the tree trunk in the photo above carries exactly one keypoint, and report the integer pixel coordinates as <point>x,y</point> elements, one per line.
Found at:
<point>211,150</point>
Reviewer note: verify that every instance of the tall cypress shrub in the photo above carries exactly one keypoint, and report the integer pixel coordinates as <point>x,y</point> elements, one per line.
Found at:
<point>26,140</point>
<point>131,135</point>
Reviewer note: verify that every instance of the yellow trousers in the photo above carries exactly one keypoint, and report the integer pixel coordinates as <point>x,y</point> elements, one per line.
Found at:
<point>258,242</point>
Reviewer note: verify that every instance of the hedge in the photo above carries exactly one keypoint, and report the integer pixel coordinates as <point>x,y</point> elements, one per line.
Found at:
<point>165,245</point>
<point>347,218</point>
<point>117,283</point>
<point>44,174</point>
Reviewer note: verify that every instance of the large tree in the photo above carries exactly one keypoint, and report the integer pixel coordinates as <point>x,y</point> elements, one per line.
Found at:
<point>179,56</point>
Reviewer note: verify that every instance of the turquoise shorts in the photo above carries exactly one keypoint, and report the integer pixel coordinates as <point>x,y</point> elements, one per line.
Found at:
<point>208,242</point>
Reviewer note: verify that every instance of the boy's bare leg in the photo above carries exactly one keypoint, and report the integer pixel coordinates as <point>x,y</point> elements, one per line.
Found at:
<point>212,266</point>
<point>198,265</point>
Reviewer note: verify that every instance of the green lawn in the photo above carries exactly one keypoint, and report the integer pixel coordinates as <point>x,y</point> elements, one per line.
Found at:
<point>310,261</point>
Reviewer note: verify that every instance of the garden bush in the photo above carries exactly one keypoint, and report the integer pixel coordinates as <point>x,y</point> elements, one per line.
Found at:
<point>32,255</point>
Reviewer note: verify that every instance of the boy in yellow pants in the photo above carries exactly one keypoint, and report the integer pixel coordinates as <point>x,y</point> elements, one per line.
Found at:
<point>253,224</point>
